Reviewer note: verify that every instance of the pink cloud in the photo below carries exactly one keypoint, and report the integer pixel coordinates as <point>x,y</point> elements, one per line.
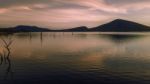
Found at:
<point>40,6</point>
<point>3,10</point>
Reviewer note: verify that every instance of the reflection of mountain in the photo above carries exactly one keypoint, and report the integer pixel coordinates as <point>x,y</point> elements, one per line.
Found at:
<point>123,38</point>
<point>117,25</point>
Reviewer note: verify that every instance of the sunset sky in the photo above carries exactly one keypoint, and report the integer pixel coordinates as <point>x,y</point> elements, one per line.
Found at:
<point>71,13</point>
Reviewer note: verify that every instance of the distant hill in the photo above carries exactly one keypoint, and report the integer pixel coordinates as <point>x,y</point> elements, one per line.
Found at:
<point>23,28</point>
<point>117,25</point>
<point>77,29</point>
<point>120,25</point>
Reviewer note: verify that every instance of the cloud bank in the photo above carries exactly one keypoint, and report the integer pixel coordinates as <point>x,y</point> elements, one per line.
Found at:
<point>71,13</point>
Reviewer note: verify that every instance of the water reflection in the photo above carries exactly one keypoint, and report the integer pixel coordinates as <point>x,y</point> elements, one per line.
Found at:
<point>121,38</point>
<point>41,38</point>
<point>75,58</point>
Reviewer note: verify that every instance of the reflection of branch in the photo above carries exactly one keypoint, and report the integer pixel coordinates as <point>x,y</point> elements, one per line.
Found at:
<point>1,57</point>
<point>9,69</point>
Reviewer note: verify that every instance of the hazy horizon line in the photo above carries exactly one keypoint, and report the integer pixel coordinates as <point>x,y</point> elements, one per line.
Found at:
<point>74,26</point>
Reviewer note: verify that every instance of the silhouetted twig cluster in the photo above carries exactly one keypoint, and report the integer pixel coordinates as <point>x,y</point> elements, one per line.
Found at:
<point>5,55</point>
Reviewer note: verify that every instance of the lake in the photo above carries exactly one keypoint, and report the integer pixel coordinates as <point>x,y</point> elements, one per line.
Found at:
<point>75,58</point>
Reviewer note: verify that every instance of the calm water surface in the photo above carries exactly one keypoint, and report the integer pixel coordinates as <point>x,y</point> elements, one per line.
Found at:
<point>75,58</point>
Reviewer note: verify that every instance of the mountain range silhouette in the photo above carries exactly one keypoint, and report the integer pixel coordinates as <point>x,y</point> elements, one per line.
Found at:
<point>118,25</point>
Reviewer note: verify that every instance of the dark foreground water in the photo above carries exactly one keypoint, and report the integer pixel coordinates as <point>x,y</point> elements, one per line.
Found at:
<point>75,58</point>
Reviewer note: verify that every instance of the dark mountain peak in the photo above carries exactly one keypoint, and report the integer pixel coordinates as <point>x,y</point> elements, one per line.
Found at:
<point>121,21</point>
<point>120,25</point>
<point>117,20</point>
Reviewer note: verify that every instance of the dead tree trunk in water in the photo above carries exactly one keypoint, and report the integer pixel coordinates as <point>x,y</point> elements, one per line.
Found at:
<point>5,56</point>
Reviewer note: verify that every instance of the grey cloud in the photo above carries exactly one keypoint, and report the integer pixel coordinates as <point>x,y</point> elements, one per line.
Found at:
<point>125,2</point>
<point>51,4</point>
<point>9,3</point>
